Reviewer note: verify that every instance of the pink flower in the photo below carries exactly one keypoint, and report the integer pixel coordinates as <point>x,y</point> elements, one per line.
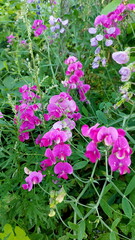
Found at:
<point>61,151</point>
<point>91,132</point>
<point>1,115</point>
<point>70,60</point>
<point>92,152</point>
<point>10,38</point>
<point>33,178</point>
<point>121,148</point>
<point>119,164</point>
<point>48,162</point>
<point>108,135</point>
<point>39,27</point>
<point>23,42</point>
<point>63,169</point>
<point>120,57</point>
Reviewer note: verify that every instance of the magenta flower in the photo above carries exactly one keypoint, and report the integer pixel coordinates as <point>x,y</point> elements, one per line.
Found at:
<point>63,169</point>
<point>39,27</point>
<point>23,42</point>
<point>10,38</point>
<point>33,178</point>
<point>70,60</point>
<point>91,132</point>
<point>92,152</point>
<point>61,151</point>
<point>48,162</point>
<point>1,115</point>
<point>120,57</point>
<point>119,164</point>
<point>121,148</point>
<point>108,135</point>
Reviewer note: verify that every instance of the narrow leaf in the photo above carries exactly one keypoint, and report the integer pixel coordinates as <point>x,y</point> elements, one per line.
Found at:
<point>80,165</point>
<point>126,207</point>
<point>81,230</point>
<point>112,236</point>
<point>130,186</point>
<point>105,207</point>
<point>76,209</point>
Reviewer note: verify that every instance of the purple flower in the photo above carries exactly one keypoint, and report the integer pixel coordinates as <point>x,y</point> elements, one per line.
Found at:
<point>108,42</point>
<point>103,62</point>
<point>99,37</point>
<point>30,1</point>
<point>97,50</point>
<point>63,169</point>
<point>92,30</point>
<point>94,42</point>
<point>120,57</point>
<point>111,30</point>
<point>125,73</point>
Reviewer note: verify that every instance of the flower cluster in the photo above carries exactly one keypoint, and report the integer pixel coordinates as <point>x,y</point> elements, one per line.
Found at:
<point>57,24</point>
<point>64,108</point>
<point>105,28</point>
<point>62,105</point>
<point>39,27</point>
<point>74,71</point>
<point>10,38</point>
<point>25,116</point>
<point>115,140</point>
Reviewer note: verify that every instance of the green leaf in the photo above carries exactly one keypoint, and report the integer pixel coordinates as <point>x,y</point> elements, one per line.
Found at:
<point>85,111</point>
<point>80,165</point>
<point>115,223</point>
<point>112,236</point>
<point>1,65</point>
<point>105,207</point>
<point>110,7</point>
<point>101,117</point>
<point>9,82</point>
<point>107,188</point>
<point>130,186</point>
<point>20,234</point>
<point>81,230</point>
<point>126,207</point>
<point>76,209</point>
<point>73,226</point>
<point>71,236</point>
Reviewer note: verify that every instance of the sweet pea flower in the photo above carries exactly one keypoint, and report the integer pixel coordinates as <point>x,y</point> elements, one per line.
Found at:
<point>63,169</point>
<point>61,151</point>
<point>125,73</point>
<point>120,57</point>
<point>1,115</point>
<point>109,135</point>
<point>33,178</point>
<point>92,152</point>
<point>119,164</point>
